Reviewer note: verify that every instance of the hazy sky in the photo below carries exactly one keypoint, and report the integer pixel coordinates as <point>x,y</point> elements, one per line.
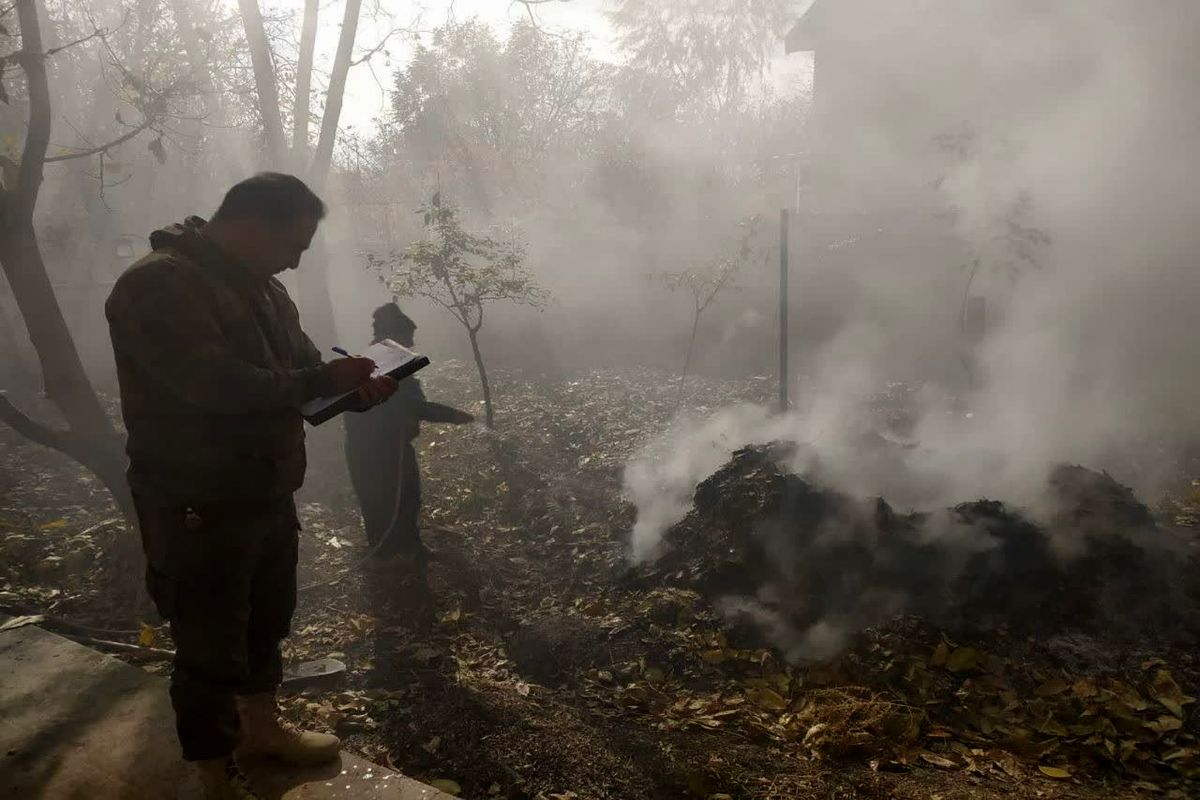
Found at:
<point>365,92</point>
<point>364,98</point>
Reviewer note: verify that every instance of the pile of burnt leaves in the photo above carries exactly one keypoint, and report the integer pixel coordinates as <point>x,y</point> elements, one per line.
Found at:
<point>818,565</point>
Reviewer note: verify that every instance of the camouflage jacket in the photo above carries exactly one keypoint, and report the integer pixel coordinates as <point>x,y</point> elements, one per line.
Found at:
<point>213,367</point>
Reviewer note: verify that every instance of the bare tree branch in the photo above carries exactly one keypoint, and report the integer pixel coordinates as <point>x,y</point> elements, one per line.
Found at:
<point>379,85</point>
<point>533,20</point>
<point>84,40</point>
<point>37,140</point>
<point>148,122</point>
<point>124,647</point>
<point>96,34</point>
<point>88,450</point>
<point>304,68</point>
<point>323,156</point>
<point>28,427</point>
<point>264,77</point>
<point>366,56</point>
<point>196,56</point>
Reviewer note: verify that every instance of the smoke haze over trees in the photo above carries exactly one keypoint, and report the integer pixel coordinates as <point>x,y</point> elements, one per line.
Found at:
<point>993,272</point>
<point>622,168</point>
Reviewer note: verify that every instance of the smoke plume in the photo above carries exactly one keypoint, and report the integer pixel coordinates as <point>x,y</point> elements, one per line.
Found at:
<point>1070,186</point>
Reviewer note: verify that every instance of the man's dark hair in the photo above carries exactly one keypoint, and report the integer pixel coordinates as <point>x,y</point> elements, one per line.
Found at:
<point>270,197</point>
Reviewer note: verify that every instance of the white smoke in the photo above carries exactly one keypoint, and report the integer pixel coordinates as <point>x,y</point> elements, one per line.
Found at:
<point>1087,134</point>
<point>660,480</point>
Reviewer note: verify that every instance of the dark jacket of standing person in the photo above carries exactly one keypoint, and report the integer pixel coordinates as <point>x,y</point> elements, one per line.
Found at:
<point>213,368</point>
<point>380,454</point>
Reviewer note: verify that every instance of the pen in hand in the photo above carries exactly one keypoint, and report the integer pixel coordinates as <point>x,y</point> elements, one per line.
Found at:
<point>341,351</point>
<point>374,390</point>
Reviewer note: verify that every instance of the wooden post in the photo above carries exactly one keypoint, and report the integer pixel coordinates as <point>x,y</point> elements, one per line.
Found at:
<point>783,310</point>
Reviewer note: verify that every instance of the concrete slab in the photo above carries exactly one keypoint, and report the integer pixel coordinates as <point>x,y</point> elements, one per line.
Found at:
<point>76,724</point>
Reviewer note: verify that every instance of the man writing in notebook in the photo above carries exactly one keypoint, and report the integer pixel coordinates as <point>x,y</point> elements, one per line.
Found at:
<point>213,368</point>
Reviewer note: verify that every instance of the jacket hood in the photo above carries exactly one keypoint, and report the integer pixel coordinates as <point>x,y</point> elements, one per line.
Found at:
<point>182,236</point>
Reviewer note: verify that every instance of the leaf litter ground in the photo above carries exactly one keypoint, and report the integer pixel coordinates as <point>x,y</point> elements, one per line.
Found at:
<point>569,677</point>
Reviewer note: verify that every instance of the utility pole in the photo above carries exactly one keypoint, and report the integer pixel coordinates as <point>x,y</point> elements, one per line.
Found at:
<point>783,310</point>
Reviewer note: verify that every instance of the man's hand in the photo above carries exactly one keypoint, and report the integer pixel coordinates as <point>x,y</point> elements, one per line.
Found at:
<point>376,390</point>
<point>347,374</point>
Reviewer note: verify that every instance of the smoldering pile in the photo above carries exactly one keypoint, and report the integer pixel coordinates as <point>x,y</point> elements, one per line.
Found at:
<point>812,566</point>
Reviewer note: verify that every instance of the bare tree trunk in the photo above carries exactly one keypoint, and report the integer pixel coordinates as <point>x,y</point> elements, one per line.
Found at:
<point>300,114</point>
<point>86,247</point>
<point>90,437</point>
<point>316,310</point>
<point>264,80</point>
<point>17,368</point>
<point>687,362</point>
<point>489,412</point>
<point>314,285</point>
<point>323,157</point>
<point>316,307</point>
<point>195,53</point>
<point>231,165</point>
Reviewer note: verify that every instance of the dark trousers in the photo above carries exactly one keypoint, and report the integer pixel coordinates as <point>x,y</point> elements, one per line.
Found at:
<point>225,578</point>
<point>391,521</point>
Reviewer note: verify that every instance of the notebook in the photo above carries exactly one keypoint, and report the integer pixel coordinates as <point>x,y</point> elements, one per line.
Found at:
<point>390,359</point>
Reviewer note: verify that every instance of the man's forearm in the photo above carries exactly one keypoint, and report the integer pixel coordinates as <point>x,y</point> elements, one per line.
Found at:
<point>180,344</point>
<point>236,387</point>
<point>218,382</point>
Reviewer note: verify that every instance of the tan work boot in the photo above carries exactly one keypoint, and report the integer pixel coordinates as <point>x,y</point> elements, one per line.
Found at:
<point>265,735</point>
<point>222,780</point>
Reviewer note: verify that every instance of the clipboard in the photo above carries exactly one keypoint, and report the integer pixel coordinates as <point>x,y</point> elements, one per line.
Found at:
<point>390,359</point>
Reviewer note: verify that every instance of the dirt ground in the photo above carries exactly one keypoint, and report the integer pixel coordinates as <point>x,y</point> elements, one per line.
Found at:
<point>546,669</point>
